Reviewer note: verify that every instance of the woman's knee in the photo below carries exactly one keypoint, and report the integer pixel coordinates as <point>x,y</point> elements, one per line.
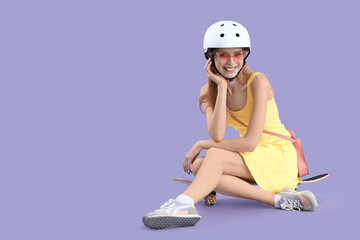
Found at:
<point>197,164</point>
<point>213,152</point>
<point>215,155</point>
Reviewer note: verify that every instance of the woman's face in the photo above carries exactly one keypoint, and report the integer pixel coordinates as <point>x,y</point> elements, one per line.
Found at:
<point>229,61</point>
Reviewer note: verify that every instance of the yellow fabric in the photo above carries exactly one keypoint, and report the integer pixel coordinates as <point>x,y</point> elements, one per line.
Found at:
<point>273,163</point>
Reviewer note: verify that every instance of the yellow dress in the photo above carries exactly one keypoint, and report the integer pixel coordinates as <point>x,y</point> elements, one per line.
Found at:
<point>273,163</point>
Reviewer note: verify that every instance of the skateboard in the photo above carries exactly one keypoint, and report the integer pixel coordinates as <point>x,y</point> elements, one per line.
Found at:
<point>210,199</point>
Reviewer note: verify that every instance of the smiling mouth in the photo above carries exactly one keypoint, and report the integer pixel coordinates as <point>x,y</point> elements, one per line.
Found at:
<point>230,69</point>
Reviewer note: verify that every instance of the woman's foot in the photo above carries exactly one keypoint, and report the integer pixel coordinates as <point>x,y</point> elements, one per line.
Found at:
<point>172,213</point>
<point>300,201</point>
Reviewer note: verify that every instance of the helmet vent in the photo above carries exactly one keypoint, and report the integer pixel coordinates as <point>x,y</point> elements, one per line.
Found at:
<point>234,24</point>
<point>238,35</point>
<point>221,25</point>
<point>222,35</point>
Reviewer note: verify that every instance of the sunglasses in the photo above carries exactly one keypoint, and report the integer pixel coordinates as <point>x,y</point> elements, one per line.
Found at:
<point>224,57</point>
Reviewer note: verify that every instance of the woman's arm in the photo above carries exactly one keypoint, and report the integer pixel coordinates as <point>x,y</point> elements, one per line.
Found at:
<point>239,144</point>
<point>218,122</point>
<point>260,88</point>
<point>216,118</point>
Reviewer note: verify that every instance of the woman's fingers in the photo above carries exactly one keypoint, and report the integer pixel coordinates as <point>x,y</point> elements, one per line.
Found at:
<point>189,166</point>
<point>208,62</point>
<point>212,75</point>
<point>185,163</point>
<point>207,65</point>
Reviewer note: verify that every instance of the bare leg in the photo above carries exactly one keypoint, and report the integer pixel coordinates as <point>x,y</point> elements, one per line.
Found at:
<point>222,170</point>
<point>236,187</point>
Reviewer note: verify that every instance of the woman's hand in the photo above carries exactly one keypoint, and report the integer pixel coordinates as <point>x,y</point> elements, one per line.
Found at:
<point>214,76</point>
<point>191,156</point>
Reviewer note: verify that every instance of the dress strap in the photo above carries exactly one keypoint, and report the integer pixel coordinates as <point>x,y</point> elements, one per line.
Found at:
<point>252,76</point>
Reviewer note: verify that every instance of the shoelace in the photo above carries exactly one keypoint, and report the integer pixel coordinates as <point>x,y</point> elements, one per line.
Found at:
<point>168,203</point>
<point>291,204</point>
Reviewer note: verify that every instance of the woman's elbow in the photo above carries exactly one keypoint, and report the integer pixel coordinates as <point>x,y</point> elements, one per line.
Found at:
<point>217,137</point>
<point>252,146</point>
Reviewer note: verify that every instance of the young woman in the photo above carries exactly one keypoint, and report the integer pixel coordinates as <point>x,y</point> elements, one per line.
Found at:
<point>231,165</point>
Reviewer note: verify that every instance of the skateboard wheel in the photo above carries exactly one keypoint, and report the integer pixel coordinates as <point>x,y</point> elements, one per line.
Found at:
<point>210,199</point>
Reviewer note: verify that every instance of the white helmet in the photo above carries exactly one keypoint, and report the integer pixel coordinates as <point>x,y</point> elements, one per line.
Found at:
<point>226,34</point>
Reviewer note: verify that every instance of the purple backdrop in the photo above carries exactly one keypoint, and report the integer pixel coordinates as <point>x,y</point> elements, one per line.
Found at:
<point>99,105</point>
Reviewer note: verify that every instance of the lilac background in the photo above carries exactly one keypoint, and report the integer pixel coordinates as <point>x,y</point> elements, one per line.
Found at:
<point>99,105</point>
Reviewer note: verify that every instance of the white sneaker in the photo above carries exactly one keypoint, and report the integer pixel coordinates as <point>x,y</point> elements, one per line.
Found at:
<point>300,201</point>
<point>172,213</point>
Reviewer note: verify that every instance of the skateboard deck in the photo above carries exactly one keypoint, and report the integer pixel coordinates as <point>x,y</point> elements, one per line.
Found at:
<point>210,199</point>
<point>307,180</point>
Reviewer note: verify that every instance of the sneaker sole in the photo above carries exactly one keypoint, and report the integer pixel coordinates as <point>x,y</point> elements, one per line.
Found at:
<point>170,221</point>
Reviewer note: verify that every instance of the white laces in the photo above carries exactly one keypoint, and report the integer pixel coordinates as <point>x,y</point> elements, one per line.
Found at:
<point>168,203</point>
<point>291,204</point>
